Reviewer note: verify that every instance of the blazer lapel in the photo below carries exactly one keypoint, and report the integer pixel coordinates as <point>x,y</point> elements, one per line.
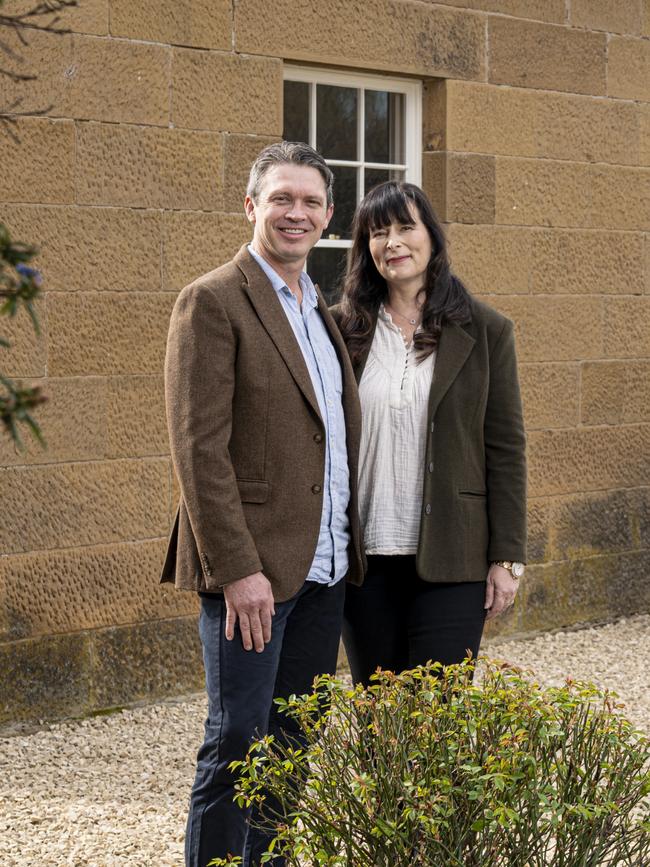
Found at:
<point>268,307</point>
<point>350,399</point>
<point>453,349</point>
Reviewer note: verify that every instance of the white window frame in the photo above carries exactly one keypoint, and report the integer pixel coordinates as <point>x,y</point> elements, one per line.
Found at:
<point>359,81</point>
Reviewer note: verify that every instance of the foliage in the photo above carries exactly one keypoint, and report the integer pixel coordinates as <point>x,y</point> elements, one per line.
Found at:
<point>19,287</point>
<point>429,768</point>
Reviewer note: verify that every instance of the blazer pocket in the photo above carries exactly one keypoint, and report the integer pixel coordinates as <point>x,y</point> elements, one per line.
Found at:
<point>472,495</point>
<point>253,490</point>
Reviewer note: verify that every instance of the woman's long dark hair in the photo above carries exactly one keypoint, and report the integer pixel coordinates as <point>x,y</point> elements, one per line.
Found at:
<point>364,289</point>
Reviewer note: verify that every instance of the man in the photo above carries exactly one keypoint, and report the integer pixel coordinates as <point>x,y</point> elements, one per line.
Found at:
<point>264,426</point>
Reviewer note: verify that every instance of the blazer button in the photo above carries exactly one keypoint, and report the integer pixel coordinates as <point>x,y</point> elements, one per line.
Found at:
<point>427,509</point>
<point>431,467</point>
<point>315,489</point>
<point>318,438</point>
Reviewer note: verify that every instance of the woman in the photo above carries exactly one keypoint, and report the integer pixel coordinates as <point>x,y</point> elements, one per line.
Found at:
<point>442,480</point>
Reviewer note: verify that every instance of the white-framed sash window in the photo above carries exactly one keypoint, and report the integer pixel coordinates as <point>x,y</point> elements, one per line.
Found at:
<point>368,128</point>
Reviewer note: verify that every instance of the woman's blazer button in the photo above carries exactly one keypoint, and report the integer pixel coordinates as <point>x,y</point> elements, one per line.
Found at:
<point>427,509</point>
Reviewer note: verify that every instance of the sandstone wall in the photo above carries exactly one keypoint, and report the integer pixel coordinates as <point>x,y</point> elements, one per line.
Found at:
<point>536,149</point>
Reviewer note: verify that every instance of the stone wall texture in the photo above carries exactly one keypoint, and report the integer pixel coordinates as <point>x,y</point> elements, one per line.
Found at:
<point>536,151</point>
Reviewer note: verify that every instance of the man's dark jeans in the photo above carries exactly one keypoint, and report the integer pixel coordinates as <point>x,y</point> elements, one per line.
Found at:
<point>241,686</point>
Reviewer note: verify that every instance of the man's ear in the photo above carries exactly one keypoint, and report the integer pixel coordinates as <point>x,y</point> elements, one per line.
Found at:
<point>249,207</point>
<point>328,216</point>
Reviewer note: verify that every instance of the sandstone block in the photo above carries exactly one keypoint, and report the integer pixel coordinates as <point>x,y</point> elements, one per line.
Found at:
<point>546,56</point>
<point>146,167</point>
<point>146,661</point>
<point>38,166</point>
<point>549,193</point>
<point>86,588</point>
<point>27,355</point>
<point>107,333</point>
<point>226,92</point>
<point>195,243</point>
<point>615,391</point>
<point>119,81</point>
<point>434,115</point>
<point>645,14</point>
<point>609,15</point>
<point>540,10</point>
<point>491,259</point>
<point>562,594</point>
<point>545,327</point>
<point>45,679</point>
<point>199,23</point>
<point>587,459</point>
<point>550,125</point>
<point>89,503</point>
<point>73,423</point>
<point>91,248</point>
<point>550,395</point>
<point>628,68</point>
<point>414,37</point>
<point>90,16</point>
<point>434,181</point>
<point>48,57</point>
<point>627,327</point>
<point>644,133</point>
<point>647,264</point>
<point>240,151</point>
<point>539,529</point>
<point>628,589</point>
<point>577,262</point>
<point>461,186</point>
<point>585,525</point>
<point>470,188</point>
<point>136,422</point>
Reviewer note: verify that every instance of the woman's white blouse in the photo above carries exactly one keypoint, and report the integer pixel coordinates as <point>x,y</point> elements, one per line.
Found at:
<point>394,393</point>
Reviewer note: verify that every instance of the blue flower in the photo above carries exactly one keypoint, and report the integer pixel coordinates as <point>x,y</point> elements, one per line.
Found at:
<point>29,273</point>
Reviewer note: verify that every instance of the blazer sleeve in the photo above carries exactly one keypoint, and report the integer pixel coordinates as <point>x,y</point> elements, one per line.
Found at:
<point>199,387</point>
<point>505,453</point>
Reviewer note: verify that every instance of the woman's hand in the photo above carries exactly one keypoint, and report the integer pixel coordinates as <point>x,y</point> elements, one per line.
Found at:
<point>500,591</point>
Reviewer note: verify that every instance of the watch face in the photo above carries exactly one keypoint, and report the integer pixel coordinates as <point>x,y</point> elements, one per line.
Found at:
<point>518,569</point>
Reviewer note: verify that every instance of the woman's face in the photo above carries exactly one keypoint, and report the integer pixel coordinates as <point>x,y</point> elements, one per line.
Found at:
<point>401,252</point>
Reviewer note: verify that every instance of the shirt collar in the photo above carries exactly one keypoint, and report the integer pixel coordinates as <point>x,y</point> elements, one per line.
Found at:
<point>309,296</point>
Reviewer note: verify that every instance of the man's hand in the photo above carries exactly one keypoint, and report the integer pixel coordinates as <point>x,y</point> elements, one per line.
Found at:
<point>500,591</point>
<point>250,601</point>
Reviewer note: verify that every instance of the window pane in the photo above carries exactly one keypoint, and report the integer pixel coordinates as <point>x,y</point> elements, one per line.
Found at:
<point>378,176</point>
<point>345,201</point>
<point>326,266</point>
<point>336,122</point>
<point>384,125</point>
<point>296,111</point>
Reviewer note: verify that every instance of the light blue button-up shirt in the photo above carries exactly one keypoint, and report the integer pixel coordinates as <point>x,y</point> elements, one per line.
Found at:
<point>330,563</point>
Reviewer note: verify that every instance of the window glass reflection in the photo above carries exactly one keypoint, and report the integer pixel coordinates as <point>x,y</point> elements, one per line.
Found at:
<point>326,266</point>
<point>378,176</point>
<point>384,126</point>
<point>296,111</point>
<point>336,122</point>
<point>345,201</point>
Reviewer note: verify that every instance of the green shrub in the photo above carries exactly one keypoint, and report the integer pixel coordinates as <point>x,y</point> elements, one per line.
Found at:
<point>429,768</point>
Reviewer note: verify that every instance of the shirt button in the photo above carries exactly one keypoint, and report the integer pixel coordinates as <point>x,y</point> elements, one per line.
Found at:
<point>318,438</point>
<point>431,467</point>
<point>427,509</point>
<point>315,489</point>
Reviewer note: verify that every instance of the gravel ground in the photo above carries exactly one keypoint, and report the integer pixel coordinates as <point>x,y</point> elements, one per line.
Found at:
<point>112,790</point>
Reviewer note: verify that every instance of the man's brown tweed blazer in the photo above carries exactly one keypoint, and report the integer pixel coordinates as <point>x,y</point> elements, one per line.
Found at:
<point>247,439</point>
<point>474,495</point>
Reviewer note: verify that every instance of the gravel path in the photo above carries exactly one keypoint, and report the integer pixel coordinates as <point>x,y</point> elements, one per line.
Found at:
<point>112,790</point>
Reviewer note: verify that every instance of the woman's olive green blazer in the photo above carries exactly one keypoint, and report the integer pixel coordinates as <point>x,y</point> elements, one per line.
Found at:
<point>474,498</point>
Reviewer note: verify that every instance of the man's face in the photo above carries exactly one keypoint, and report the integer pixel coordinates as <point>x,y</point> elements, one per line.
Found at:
<point>289,214</point>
